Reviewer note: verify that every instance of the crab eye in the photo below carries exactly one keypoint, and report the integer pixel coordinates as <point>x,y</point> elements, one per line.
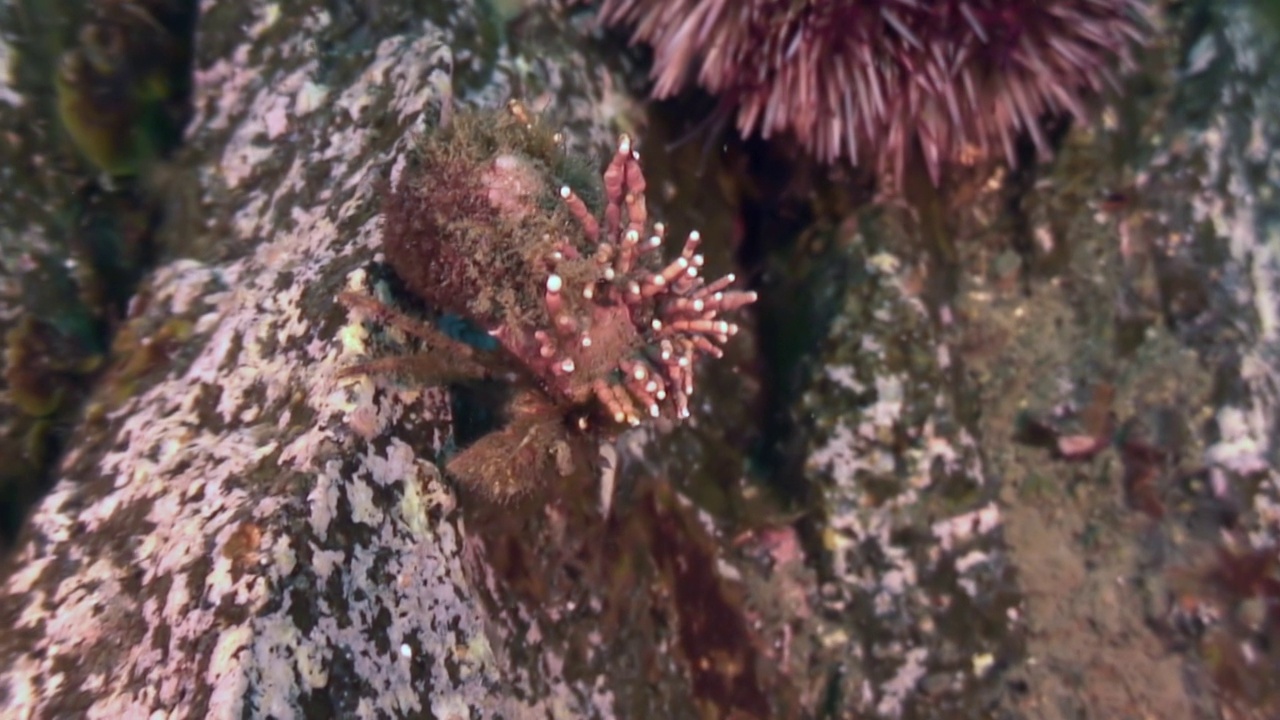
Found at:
<point>579,419</point>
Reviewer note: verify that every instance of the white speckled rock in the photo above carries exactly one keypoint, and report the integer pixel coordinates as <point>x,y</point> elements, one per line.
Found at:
<point>228,542</point>
<point>978,572</point>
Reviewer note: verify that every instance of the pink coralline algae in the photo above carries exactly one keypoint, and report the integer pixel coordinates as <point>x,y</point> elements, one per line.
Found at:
<point>494,221</point>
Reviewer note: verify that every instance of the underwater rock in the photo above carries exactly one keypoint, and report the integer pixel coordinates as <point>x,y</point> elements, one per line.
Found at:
<point>1114,508</point>
<point>915,607</point>
<point>237,530</point>
<point>76,245</point>
<point>1208,192</point>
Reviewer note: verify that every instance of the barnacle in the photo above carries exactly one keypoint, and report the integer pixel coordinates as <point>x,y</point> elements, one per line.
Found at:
<point>493,221</point>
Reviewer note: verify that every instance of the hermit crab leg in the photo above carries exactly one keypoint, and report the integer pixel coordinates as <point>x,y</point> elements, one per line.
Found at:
<point>614,190</point>
<point>396,319</point>
<point>578,209</point>
<point>637,213</point>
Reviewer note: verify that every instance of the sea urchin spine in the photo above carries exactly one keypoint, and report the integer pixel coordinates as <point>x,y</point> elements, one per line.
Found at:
<point>866,79</point>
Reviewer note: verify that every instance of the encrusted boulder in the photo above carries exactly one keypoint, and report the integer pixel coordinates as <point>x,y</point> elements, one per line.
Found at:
<point>235,530</point>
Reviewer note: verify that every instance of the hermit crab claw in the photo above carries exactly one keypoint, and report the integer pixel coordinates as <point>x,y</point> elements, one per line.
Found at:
<point>521,458</point>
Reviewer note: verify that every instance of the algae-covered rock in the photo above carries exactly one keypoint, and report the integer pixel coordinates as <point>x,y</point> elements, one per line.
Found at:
<point>917,576</point>
<point>236,531</point>
<point>1084,388</point>
<point>76,240</point>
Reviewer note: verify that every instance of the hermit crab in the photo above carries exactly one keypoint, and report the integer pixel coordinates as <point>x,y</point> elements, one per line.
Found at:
<point>494,221</point>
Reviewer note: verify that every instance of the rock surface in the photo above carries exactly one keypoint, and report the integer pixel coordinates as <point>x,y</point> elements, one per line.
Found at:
<point>244,534</point>
<point>1143,326</point>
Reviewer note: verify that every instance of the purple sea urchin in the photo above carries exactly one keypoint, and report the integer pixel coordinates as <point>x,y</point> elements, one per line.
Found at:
<point>865,79</point>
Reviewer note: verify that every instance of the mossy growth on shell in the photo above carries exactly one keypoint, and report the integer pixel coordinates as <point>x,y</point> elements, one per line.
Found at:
<point>476,214</point>
<point>537,449</point>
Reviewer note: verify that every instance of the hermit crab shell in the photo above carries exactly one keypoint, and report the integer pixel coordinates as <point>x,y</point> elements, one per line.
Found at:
<point>492,220</point>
